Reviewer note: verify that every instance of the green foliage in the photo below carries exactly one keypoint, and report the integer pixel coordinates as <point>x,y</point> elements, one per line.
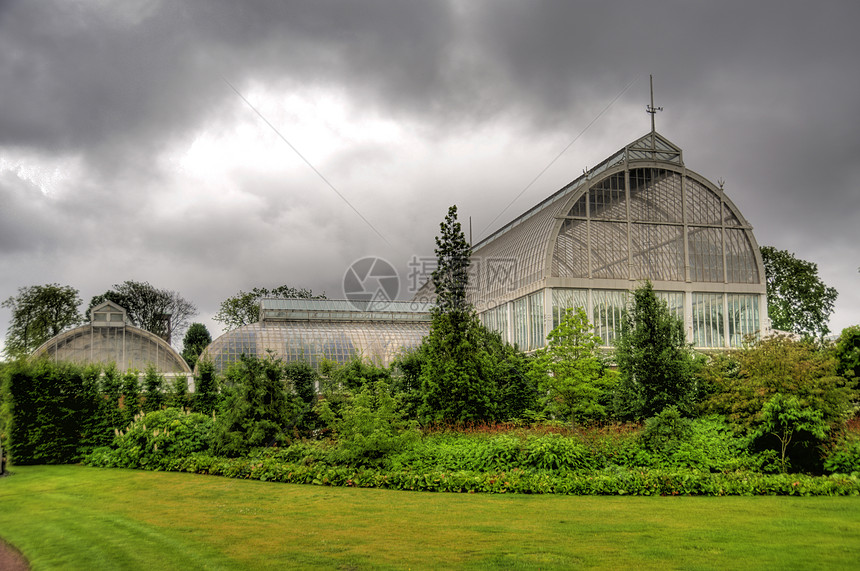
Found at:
<point>131,401</point>
<point>38,314</point>
<point>257,409</point>
<point>843,454</point>
<point>797,299</point>
<point>162,312</point>
<point>179,397</point>
<point>244,307</point>
<point>466,372</point>
<point>655,363</point>
<point>52,411</point>
<point>784,418</point>
<point>153,382</point>
<point>847,353</point>
<point>357,373</point>
<point>570,375</point>
<point>196,339</point>
<point>665,432</point>
<point>206,390</point>
<point>469,374</point>
<point>741,383</point>
<point>451,276</point>
<point>369,426</point>
<point>406,380</point>
<point>303,379</point>
<point>152,440</point>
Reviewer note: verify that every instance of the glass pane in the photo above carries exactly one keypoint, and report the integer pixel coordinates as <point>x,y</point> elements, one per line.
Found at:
<point>564,299</point>
<point>743,317</point>
<point>708,320</point>
<point>706,254</point>
<point>607,313</point>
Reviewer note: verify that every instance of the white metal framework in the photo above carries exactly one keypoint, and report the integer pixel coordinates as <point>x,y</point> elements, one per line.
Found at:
<point>639,215</point>
<point>315,329</point>
<point>109,339</point>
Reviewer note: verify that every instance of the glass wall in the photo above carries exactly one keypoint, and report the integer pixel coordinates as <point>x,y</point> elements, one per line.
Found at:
<point>708,320</point>
<point>607,312</point>
<point>743,317</point>
<point>537,336</point>
<point>567,298</point>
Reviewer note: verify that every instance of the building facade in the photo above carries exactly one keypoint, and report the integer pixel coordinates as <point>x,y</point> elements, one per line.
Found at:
<point>639,215</point>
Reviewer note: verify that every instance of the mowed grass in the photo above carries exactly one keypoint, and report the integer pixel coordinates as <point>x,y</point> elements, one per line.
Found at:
<point>75,517</point>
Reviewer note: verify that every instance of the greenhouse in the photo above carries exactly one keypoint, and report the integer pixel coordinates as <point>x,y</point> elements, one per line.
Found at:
<point>639,215</point>
<point>108,338</point>
<point>314,330</point>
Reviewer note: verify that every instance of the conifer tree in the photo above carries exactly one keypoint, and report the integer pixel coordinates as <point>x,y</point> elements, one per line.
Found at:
<point>654,360</point>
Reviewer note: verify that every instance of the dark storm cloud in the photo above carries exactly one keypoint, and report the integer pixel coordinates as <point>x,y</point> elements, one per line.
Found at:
<point>486,93</point>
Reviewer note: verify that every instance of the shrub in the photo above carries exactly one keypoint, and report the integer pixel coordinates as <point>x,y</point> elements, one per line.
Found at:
<point>368,426</point>
<point>152,440</point>
<point>843,456</point>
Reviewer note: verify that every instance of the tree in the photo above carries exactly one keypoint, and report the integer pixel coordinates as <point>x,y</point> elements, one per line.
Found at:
<point>162,312</point>
<point>742,382</point>
<point>466,372</point>
<point>784,418</point>
<point>206,390</point>
<point>38,314</point>
<point>451,276</point>
<point>196,339</point>
<point>654,361</point>
<point>797,299</point>
<point>256,409</point>
<point>570,375</point>
<point>847,351</point>
<point>244,307</point>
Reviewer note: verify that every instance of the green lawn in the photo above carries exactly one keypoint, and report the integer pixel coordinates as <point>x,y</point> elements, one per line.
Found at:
<point>74,517</point>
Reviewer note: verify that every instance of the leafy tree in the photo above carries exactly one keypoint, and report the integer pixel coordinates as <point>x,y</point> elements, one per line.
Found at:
<point>847,352</point>
<point>742,382</point>
<point>570,375</point>
<point>39,313</point>
<point>196,339</point>
<point>369,425</point>
<point>785,418</point>
<point>244,307</point>
<point>131,396</point>
<point>797,299</point>
<point>162,312</point>
<point>654,360</point>
<point>454,378</point>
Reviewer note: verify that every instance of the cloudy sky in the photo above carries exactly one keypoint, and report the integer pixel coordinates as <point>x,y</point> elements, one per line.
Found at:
<point>213,146</point>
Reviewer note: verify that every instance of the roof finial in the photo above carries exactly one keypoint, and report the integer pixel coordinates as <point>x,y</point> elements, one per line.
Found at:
<point>650,108</point>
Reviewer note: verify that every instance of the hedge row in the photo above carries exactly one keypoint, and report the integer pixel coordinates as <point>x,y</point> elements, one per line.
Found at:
<point>646,482</point>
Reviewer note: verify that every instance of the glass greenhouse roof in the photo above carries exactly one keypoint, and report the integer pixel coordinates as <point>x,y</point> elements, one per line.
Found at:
<point>650,147</point>
<point>344,310</point>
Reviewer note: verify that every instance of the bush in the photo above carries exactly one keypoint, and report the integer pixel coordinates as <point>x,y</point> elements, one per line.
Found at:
<point>843,455</point>
<point>368,426</point>
<point>154,439</point>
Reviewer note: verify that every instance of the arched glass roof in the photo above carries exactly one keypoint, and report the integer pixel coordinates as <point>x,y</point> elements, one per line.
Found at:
<point>640,214</point>
<point>128,347</point>
<point>335,330</point>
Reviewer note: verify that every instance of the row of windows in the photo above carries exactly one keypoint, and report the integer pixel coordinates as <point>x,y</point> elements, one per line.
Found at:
<point>718,320</point>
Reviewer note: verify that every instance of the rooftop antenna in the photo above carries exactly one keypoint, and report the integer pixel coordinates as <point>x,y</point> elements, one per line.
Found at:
<point>650,108</point>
